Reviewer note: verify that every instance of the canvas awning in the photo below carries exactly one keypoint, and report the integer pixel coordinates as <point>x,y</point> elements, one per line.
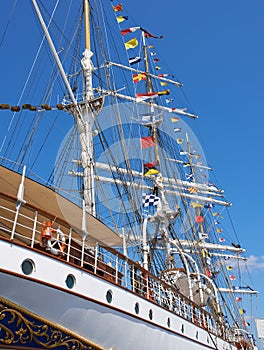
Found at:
<point>50,205</point>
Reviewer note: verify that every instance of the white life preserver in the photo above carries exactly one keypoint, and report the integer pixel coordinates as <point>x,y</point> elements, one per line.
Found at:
<point>58,240</point>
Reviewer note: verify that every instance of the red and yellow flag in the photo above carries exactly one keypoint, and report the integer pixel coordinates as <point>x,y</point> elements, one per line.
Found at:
<point>118,7</point>
<point>139,76</point>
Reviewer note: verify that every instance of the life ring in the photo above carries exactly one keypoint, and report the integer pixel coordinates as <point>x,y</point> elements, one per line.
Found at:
<point>50,238</point>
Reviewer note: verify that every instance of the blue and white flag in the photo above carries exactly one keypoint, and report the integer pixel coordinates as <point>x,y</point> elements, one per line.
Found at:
<point>134,60</point>
<point>150,200</point>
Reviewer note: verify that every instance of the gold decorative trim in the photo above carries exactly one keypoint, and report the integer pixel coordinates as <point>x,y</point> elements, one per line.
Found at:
<point>19,326</point>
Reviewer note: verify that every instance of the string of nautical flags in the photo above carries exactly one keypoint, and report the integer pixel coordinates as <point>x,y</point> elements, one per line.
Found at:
<point>133,43</point>
<point>152,168</point>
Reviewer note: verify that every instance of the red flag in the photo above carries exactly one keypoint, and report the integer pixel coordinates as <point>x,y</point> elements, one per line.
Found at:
<point>238,299</point>
<point>165,75</point>
<point>146,95</point>
<point>147,141</point>
<point>149,35</point>
<point>232,277</point>
<point>199,219</point>
<point>118,7</point>
<point>208,272</point>
<point>151,165</point>
<point>139,76</point>
<point>129,30</point>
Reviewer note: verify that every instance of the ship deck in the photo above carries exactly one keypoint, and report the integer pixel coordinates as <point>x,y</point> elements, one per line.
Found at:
<point>22,225</point>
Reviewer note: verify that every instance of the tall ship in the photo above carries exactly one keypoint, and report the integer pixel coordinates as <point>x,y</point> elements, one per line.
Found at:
<point>113,234</point>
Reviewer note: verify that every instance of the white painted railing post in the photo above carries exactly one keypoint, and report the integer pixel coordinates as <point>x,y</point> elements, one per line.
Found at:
<point>69,245</point>
<point>96,257</point>
<point>116,272</point>
<point>133,278</point>
<point>83,241</point>
<point>125,273</point>
<point>34,229</point>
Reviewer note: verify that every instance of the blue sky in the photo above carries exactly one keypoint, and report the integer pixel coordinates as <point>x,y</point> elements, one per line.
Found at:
<point>216,50</point>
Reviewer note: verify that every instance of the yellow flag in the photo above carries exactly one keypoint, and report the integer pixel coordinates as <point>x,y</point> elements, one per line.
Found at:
<point>131,44</point>
<point>151,172</point>
<point>197,205</point>
<point>121,19</point>
<point>193,190</point>
<point>164,92</point>
<point>162,83</point>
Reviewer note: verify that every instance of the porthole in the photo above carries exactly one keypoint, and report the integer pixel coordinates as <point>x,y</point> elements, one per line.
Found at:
<point>137,308</point>
<point>182,328</point>
<point>150,314</point>
<point>70,281</point>
<point>109,296</point>
<point>28,266</point>
<point>168,322</point>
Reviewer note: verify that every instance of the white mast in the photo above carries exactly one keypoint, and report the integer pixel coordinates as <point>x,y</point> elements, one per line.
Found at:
<point>86,136</point>
<point>82,112</point>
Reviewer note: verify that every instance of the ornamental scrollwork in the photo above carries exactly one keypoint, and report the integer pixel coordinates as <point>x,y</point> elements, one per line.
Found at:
<point>20,329</point>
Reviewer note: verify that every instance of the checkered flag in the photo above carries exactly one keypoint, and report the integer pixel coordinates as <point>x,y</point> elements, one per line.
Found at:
<point>149,200</point>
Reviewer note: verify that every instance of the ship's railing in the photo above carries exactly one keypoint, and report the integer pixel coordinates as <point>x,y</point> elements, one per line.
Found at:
<point>108,264</point>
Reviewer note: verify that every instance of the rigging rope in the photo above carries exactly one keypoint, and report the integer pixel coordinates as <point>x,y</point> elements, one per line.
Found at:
<point>8,22</point>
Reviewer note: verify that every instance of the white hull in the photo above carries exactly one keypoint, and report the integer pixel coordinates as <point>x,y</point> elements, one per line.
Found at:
<point>85,311</point>
<point>112,248</point>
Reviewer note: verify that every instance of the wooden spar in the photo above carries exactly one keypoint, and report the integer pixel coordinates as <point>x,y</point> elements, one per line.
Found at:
<point>133,99</point>
<point>193,165</point>
<point>229,290</point>
<point>149,82</point>
<point>86,7</point>
<point>139,71</point>
<point>56,57</point>
<point>149,89</point>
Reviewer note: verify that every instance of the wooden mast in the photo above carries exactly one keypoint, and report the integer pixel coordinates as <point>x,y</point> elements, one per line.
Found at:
<point>86,6</point>
<point>150,89</point>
